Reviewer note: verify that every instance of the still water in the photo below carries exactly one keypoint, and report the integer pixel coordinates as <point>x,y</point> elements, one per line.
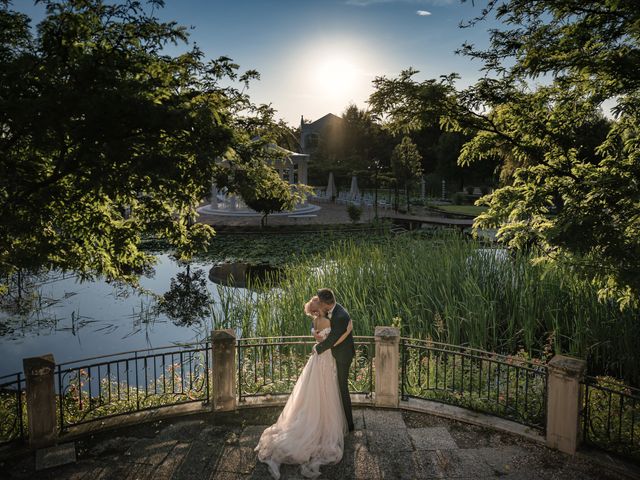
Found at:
<point>73,320</point>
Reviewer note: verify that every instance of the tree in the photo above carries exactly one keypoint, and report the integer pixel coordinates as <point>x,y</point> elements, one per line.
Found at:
<point>104,138</point>
<point>406,162</point>
<point>576,201</point>
<point>418,107</point>
<point>261,189</point>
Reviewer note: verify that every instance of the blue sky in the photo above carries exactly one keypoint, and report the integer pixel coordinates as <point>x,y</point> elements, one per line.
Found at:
<point>317,56</point>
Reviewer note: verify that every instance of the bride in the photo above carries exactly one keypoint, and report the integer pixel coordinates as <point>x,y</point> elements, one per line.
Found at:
<point>310,430</point>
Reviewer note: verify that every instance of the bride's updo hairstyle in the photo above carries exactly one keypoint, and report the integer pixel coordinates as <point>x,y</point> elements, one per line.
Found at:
<point>326,296</point>
<point>310,309</point>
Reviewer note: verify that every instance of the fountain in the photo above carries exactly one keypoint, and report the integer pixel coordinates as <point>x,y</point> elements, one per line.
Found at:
<point>294,167</point>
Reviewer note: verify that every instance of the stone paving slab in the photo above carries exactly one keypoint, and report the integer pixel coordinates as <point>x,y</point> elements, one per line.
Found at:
<point>55,456</point>
<point>389,441</point>
<point>150,451</point>
<point>355,440</point>
<point>461,463</point>
<point>358,419</point>
<point>382,419</point>
<point>169,468</point>
<point>431,438</point>
<point>237,460</point>
<point>250,436</point>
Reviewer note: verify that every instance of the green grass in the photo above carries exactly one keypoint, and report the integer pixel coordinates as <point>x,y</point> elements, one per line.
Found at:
<point>447,290</point>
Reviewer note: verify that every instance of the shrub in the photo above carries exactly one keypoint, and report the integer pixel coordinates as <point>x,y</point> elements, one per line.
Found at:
<point>355,212</point>
<point>458,198</point>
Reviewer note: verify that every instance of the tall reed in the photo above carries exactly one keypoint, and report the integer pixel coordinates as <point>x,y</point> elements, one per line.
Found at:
<point>452,290</point>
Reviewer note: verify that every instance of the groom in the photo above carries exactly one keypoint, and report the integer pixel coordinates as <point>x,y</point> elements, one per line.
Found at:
<point>344,351</point>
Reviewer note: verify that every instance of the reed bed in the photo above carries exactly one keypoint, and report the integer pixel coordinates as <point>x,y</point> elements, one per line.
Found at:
<point>448,289</point>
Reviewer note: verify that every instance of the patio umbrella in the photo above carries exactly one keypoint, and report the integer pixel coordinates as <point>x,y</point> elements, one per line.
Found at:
<point>331,187</point>
<point>353,193</point>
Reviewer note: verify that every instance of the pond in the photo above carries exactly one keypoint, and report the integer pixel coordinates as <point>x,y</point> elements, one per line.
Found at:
<point>73,319</point>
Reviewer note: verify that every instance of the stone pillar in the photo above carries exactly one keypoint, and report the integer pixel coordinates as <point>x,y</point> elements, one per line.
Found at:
<point>564,402</point>
<point>291,178</point>
<point>444,190</point>
<point>223,391</point>
<point>41,400</point>
<point>386,366</point>
<point>423,188</point>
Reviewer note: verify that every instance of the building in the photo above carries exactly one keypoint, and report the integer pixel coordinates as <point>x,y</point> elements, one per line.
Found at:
<point>329,129</point>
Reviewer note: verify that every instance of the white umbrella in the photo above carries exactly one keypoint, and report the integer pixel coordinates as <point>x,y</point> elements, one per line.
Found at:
<point>354,193</point>
<point>331,187</point>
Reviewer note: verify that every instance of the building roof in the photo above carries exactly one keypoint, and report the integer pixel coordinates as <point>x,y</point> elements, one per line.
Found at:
<point>320,124</point>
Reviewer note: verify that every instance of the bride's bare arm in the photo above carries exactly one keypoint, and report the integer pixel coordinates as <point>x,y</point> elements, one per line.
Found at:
<point>345,334</point>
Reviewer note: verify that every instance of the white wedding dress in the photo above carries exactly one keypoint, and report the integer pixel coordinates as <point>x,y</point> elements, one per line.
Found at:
<point>311,428</point>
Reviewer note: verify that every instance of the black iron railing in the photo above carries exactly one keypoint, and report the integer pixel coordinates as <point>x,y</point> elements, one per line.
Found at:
<point>271,365</point>
<point>13,408</point>
<point>508,387</point>
<point>107,386</point>
<point>611,416</point>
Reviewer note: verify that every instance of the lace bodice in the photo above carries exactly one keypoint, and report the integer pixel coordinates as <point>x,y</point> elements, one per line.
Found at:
<point>324,332</point>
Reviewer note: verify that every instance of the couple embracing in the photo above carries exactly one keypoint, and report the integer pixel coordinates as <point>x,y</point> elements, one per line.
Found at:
<point>311,428</point>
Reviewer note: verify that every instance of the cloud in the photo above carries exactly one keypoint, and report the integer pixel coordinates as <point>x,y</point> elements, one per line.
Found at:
<point>423,13</point>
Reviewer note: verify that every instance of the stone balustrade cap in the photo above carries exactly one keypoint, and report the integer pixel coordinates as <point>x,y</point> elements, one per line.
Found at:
<point>387,332</point>
<point>40,365</point>
<point>568,365</point>
<point>226,334</point>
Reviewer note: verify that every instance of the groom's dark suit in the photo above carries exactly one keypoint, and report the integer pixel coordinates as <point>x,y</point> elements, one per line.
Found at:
<point>343,353</point>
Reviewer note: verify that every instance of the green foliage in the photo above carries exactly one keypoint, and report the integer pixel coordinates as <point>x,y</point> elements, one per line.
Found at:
<point>279,249</point>
<point>355,212</point>
<point>406,163</point>
<point>275,370</point>
<point>571,176</point>
<point>458,198</point>
<point>105,138</point>
<point>174,384</point>
<point>614,429</point>
<point>478,380</point>
<point>449,290</point>
<point>261,189</point>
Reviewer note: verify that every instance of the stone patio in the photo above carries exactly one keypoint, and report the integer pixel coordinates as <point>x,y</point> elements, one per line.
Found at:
<point>387,444</point>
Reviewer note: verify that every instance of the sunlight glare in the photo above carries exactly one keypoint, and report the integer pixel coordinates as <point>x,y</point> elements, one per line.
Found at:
<point>335,75</point>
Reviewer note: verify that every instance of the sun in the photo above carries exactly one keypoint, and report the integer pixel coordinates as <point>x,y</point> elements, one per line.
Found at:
<point>335,75</point>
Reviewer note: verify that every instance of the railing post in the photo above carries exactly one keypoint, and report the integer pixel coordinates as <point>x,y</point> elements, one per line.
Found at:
<point>386,363</point>
<point>41,400</point>
<point>563,402</point>
<point>223,350</point>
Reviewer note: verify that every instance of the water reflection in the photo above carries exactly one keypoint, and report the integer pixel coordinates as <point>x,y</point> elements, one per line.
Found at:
<point>241,275</point>
<point>187,301</point>
<point>73,319</point>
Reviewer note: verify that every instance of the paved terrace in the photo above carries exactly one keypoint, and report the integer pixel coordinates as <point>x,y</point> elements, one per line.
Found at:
<point>387,444</point>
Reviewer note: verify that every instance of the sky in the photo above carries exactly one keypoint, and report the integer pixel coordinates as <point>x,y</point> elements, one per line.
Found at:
<point>318,56</point>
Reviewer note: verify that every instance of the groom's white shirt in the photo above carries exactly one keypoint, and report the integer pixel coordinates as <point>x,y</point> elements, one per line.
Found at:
<point>330,312</point>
